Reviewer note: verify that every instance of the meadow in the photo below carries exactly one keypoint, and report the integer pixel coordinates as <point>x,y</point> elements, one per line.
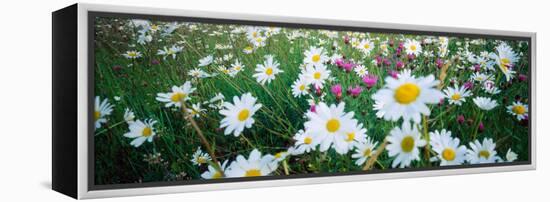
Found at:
<point>179,101</point>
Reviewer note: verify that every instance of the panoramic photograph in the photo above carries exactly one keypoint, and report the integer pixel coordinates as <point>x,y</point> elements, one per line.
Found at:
<point>193,101</point>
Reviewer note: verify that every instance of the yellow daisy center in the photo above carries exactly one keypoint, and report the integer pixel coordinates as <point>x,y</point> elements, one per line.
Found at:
<point>350,137</point>
<point>448,154</point>
<point>279,155</point>
<point>252,173</point>
<point>177,97</point>
<point>456,96</point>
<point>248,48</point>
<point>317,75</point>
<point>413,47</point>
<point>407,144</point>
<point>254,34</point>
<point>302,87</point>
<point>308,140</point>
<point>132,54</point>
<point>367,152</point>
<point>237,68</point>
<point>504,63</point>
<point>518,109</point>
<point>407,93</point>
<point>146,132</point>
<point>366,46</point>
<point>154,27</point>
<point>97,115</point>
<point>269,71</point>
<point>259,39</point>
<point>333,125</point>
<point>201,160</point>
<point>484,153</point>
<point>316,58</point>
<point>217,175</point>
<point>243,115</point>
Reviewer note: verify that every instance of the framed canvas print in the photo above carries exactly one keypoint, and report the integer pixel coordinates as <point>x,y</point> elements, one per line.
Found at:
<point>149,101</point>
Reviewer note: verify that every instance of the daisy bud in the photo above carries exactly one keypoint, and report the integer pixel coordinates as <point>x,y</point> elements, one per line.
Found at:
<point>312,108</point>
<point>401,46</point>
<point>355,91</point>
<point>468,85</point>
<point>522,77</point>
<point>398,53</point>
<point>155,62</point>
<point>525,121</point>
<point>394,74</point>
<point>460,119</point>
<point>339,62</point>
<point>410,57</point>
<point>387,62</point>
<point>370,80</point>
<point>346,39</point>
<point>399,64</point>
<point>477,67</point>
<point>439,63</point>
<point>481,127</point>
<point>391,43</point>
<point>378,60</point>
<point>348,66</point>
<point>117,68</point>
<point>318,90</point>
<point>337,90</point>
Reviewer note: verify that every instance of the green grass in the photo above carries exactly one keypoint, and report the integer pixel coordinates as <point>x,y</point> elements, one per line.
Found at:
<point>138,81</point>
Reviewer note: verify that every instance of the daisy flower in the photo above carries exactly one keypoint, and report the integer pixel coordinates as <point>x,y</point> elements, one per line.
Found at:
<point>511,156</point>
<point>212,173</point>
<point>101,109</point>
<point>364,151</point>
<point>280,156</point>
<point>129,116</point>
<point>355,134</point>
<point>448,149</point>
<point>177,96</point>
<point>485,103</point>
<point>141,131</point>
<point>248,50</point>
<point>519,110</point>
<point>479,77</point>
<point>403,144</point>
<point>132,54</point>
<point>172,51</point>
<point>305,142</point>
<point>456,95</point>
<point>197,73</point>
<point>361,71</point>
<point>366,46</point>
<point>300,87</point>
<point>195,110</point>
<point>406,96</point>
<point>266,72</point>
<point>317,75</point>
<point>238,114</point>
<point>236,68</point>
<point>315,56</point>
<point>482,153</point>
<point>200,157</point>
<point>259,41</point>
<point>505,59</point>
<point>330,126</point>
<point>206,61</point>
<point>256,165</point>
<point>413,47</point>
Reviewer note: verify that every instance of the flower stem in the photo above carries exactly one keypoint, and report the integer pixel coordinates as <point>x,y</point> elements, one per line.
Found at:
<point>374,157</point>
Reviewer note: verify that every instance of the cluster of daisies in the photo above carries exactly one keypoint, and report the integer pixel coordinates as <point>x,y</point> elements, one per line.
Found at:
<point>403,98</point>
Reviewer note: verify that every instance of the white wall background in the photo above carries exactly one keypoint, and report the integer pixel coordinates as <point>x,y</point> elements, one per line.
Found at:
<point>25,98</point>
